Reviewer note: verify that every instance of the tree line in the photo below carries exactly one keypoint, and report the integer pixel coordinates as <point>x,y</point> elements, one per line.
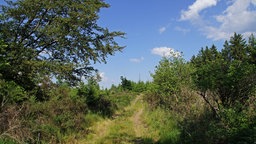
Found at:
<point>212,95</point>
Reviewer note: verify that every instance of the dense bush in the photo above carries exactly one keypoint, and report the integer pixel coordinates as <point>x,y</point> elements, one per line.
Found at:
<point>97,100</point>
<point>230,74</point>
<point>171,88</point>
<point>54,120</point>
<point>11,93</point>
<point>233,128</point>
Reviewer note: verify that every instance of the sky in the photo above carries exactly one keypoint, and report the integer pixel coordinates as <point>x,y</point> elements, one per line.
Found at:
<point>157,28</point>
<point>154,28</point>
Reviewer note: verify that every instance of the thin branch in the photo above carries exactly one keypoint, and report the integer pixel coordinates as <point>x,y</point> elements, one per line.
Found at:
<point>36,27</point>
<point>46,45</point>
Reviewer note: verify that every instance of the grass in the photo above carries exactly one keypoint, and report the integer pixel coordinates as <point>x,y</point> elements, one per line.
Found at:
<point>126,127</point>
<point>6,141</point>
<point>163,124</point>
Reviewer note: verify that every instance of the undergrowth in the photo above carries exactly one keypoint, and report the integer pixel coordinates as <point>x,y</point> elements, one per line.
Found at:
<point>163,124</point>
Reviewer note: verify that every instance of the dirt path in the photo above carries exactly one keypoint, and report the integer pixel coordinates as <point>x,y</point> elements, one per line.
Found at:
<point>137,123</point>
<point>136,118</point>
<point>126,127</point>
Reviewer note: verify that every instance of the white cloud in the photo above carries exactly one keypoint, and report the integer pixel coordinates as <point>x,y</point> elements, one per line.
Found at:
<point>215,33</point>
<point>193,10</point>
<point>236,18</point>
<point>162,29</point>
<point>239,16</point>
<point>103,77</point>
<point>165,52</point>
<point>183,30</point>
<point>137,60</point>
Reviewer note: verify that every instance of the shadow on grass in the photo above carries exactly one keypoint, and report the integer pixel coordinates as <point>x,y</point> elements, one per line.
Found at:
<point>140,140</point>
<point>126,138</point>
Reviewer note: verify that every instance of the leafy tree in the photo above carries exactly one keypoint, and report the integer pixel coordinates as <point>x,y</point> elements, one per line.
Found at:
<point>251,47</point>
<point>126,84</point>
<point>238,69</point>
<point>56,38</point>
<point>3,62</point>
<point>229,74</point>
<point>170,77</point>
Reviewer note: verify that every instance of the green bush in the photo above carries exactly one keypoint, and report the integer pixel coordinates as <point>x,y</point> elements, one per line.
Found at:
<point>11,98</point>
<point>54,120</point>
<point>97,100</point>
<point>233,127</point>
<point>11,93</point>
<point>171,75</point>
<point>121,99</point>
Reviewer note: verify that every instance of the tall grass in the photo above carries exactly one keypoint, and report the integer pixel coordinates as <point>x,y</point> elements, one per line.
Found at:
<point>164,124</point>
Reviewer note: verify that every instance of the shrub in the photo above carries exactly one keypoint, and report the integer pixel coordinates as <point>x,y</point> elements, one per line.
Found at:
<point>96,99</point>
<point>234,127</point>
<point>11,93</point>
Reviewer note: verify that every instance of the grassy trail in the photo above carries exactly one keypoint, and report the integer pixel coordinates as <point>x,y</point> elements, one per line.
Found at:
<point>127,127</point>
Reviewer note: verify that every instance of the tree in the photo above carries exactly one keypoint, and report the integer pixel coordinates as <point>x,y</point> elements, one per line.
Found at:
<point>251,47</point>
<point>170,77</point>
<point>126,84</point>
<point>56,38</point>
<point>229,74</point>
<point>3,62</point>
<point>207,73</point>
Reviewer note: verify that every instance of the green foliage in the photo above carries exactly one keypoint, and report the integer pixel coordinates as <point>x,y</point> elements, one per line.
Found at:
<point>3,61</point>
<point>233,128</point>
<point>91,118</point>
<point>7,141</point>
<point>51,121</point>
<point>126,84</point>
<point>170,76</point>
<point>121,99</point>
<point>225,80</point>
<point>45,39</point>
<point>238,126</point>
<point>11,93</point>
<point>96,99</point>
<point>230,74</point>
<point>165,124</point>
<point>41,41</point>
<point>52,38</point>
<point>140,86</point>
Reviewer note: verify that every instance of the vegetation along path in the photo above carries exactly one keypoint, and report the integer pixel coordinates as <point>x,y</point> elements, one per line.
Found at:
<point>127,126</point>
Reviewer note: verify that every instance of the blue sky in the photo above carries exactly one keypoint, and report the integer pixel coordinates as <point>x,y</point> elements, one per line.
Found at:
<point>154,27</point>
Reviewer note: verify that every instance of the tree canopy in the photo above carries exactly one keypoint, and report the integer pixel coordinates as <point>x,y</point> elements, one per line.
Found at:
<point>58,39</point>
<point>230,73</point>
